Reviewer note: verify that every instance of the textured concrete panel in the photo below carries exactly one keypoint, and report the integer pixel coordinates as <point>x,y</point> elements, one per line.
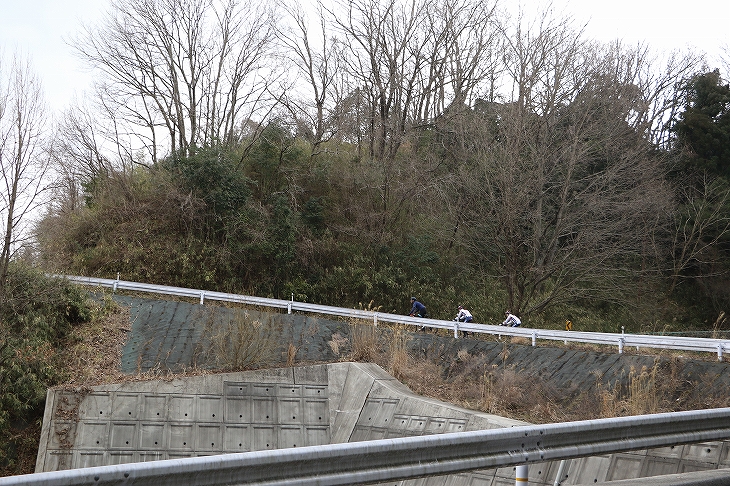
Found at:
<point>542,472</point>
<point>656,466</point>
<point>316,412</point>
<point>152,436</point>
<point>708,452</point>
<point>704,478</point>
<point>355,389</point>
<point>127,457</point>
<point>59,461</point>
<point>238,410</point>
<point>316,435</point>
<point>210,409</point>
<point>378,412</point>
<point>290,411</point>
<point>237,438</point>
<point>154,407</point>
<point>209,437</point>
<point>123,435</point>
<point>96,405</point>
<point>90,459</point>
<point>182,437</point>
<point>291,436</point>
<point>125,406</point>
<point>264,437</point>
<point>691,466</point>
<point>311,375</point>
<point>624,466</point>
<point>181,408</point>
<point>725,455</point>
<point>263,410</point>
<point>93,435</point>
<point>676,451</point>
<point>588,470</point>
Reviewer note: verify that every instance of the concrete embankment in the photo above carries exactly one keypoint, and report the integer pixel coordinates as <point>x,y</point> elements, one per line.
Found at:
<point>177,336</point>
<point>338,402</point>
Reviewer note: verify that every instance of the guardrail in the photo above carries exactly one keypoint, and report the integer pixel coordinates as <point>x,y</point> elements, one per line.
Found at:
<point>622,340</point>
<point>408,457</point>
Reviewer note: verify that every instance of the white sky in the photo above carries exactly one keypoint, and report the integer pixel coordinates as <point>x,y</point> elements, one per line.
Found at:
<point>37,28</point>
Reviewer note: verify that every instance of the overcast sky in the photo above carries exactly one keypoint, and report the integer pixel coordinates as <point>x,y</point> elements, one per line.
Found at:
<point>39,28</point>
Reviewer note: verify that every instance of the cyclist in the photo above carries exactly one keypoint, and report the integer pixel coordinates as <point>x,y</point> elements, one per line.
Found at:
<point>511,320</point>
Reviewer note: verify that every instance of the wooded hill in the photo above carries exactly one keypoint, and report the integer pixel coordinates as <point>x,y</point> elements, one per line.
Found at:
<point>367,153</point>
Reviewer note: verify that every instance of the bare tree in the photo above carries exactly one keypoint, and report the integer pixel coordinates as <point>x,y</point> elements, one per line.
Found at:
<point>24,162</point>
<point>702,223</point>
<point>189,69</point>
<point>409,64</point>
<point>317,59</point>
<point>568,189</point>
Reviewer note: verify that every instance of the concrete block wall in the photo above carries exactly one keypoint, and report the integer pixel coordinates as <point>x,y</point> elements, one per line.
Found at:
<point>294,407</point>
<point>238,412</point>
<point>205,415</point>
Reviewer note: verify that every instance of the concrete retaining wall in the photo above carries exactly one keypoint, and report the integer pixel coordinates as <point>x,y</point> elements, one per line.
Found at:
<point>334,403</point>
<point>294,407</point>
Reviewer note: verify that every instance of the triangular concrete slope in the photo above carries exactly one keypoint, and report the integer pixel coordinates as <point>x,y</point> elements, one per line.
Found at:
<point>238,412</point>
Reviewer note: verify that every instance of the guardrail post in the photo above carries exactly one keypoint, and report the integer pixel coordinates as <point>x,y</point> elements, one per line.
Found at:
<point>375,319</point>
<point>534,338</point>
<point>719,352</point>
<point>202,297</point>
<point>620,345</point>
<point>456,329</point>
<point>521,475</point>
<point>114,288</point>
<point>561,472</point>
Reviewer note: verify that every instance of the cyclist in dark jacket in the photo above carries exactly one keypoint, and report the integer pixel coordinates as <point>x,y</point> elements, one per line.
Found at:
<point>418,310</point>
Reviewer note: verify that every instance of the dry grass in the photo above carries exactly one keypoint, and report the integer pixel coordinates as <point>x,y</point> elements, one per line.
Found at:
<point>242,342</point>
<point>640,394</point>
<point>338,344</point>
<point>399,360</point>
<point>93,351</point>
<point>364,341</point>
<point>93,354</point>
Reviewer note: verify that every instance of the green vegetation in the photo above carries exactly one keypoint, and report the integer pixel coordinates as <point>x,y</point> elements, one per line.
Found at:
<point>475,160</point>
<point>37,314</point>
<point>470,160</point>
<point>279,223</point>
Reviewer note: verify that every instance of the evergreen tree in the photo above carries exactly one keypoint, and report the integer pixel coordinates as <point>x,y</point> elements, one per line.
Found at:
<point>704,126</point>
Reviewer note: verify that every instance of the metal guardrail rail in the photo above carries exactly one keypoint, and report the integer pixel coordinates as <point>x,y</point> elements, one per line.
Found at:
<point>405,458</point>
<point>719,346</point>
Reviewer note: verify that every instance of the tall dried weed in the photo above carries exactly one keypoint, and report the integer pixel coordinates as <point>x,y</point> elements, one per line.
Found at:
<point>364,341</point>
<point>237,341</point>
<point>399,359</point>
<point>638,395</point>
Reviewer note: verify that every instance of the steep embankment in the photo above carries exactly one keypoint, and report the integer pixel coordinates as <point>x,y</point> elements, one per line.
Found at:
<point>543,383</point>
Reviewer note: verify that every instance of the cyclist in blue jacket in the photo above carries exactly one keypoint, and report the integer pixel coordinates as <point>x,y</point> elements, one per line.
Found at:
<point>418,310</point>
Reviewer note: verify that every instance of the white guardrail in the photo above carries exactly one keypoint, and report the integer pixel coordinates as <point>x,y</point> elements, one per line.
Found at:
<point>622,340</point>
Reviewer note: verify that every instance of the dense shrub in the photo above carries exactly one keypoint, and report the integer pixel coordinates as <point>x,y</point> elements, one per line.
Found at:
<point>36,314</point>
